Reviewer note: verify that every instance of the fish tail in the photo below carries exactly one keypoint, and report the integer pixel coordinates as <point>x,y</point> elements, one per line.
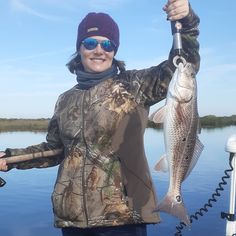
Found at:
<point>174,205</point>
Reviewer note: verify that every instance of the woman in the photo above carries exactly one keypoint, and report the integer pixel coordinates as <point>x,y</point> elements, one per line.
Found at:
<point>104,185</point>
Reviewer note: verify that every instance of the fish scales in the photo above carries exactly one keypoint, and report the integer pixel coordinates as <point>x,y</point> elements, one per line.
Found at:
<point>183,148</point>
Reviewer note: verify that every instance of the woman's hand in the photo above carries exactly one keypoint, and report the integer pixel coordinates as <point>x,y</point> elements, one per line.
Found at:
<point>176,9</point>
<point>3,163</point>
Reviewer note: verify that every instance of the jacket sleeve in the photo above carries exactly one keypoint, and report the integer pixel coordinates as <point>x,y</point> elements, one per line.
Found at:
<point>53,142</point>
<point>150,85</point>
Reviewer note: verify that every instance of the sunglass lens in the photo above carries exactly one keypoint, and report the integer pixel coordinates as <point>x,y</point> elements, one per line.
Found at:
<point>107,45</point>
<point>90,43</point>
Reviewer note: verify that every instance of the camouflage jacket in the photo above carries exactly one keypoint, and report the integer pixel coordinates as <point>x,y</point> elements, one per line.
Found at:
<point>103,176</point>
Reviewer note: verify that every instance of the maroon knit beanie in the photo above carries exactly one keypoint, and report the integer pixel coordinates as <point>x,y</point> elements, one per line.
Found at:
<point>98,24</point>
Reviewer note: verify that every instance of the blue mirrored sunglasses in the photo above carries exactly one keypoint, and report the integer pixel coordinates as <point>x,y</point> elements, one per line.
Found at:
<point>106,45</point>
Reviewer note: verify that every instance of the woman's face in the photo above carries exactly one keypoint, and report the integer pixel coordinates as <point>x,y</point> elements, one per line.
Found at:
<point>96,60</point>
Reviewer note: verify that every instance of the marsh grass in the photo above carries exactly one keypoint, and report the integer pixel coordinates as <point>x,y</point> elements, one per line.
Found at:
<point>7,125</point>
<point>23,125</point>
<point>208,122</point>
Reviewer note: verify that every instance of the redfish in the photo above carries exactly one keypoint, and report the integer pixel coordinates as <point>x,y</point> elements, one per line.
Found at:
<point>182,145</point>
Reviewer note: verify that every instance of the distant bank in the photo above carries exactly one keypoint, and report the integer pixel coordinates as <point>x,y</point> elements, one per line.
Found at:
<point>208,122</point>
<point>7,125</point>
<point>40,125</point>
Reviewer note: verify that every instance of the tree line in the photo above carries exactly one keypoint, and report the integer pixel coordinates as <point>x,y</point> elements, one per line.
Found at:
<point>40,125</point>
<point>8,125</point>
<point>210,121</point>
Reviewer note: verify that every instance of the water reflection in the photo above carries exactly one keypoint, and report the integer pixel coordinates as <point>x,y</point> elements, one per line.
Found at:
<point>25,200</point>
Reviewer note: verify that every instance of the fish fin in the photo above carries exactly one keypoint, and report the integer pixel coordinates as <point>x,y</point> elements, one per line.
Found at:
<point>196,154</point>
<point>158,116</point>
<point>176,208</point>
<point>162,164</point>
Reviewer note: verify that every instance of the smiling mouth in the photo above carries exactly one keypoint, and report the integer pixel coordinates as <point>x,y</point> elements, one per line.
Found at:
<point>98,59</point>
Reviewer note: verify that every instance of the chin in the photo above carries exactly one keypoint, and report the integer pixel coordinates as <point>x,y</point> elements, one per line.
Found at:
<point>99,70</point>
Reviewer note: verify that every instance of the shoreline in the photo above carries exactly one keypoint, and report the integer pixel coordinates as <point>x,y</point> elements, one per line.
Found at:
<point>41,124</point>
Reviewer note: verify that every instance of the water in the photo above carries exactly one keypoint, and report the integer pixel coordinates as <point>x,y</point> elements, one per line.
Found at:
<point>25,202</point>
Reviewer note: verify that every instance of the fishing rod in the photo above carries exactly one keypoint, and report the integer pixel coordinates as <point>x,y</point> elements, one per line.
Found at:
<point>28,157</point>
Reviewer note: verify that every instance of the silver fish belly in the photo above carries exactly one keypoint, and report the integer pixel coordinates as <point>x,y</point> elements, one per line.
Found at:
<point>183,148</point>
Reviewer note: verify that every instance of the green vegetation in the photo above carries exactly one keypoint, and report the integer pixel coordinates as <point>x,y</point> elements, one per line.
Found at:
<point>35,125</point>
<point>210,121</point>
<point>7,125</point>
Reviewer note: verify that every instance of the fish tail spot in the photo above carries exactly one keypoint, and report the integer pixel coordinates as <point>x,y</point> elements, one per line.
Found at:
<point>178,198</point>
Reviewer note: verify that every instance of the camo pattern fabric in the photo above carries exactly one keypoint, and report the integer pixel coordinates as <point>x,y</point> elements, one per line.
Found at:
<point>103,177</point>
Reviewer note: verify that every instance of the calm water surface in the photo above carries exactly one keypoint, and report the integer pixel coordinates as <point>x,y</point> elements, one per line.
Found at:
<point>25,203</point>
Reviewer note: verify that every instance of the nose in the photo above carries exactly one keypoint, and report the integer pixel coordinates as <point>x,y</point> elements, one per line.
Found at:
<point>98,49</point>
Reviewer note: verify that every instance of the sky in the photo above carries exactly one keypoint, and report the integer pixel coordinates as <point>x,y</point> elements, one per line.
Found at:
<point>38,38</point>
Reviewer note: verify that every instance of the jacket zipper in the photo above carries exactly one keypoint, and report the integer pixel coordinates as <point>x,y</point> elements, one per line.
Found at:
<point>84,160</point>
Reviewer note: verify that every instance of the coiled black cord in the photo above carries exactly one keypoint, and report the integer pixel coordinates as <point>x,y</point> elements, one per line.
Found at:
<point>205,208</point>
<point>2,182</point>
